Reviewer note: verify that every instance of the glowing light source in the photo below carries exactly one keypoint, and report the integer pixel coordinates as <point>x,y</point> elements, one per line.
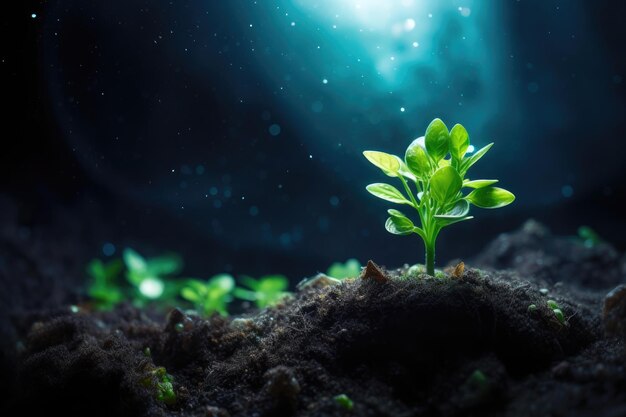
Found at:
<point>151,288</point>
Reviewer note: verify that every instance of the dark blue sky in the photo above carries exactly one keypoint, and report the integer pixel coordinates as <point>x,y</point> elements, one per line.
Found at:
<point>245,120</point>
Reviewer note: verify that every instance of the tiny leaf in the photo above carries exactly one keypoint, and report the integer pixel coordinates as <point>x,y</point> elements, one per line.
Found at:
<point>457,213</point>
<point>189,294</point>
<point>468,162</point>
<point>460,209</point>
<point>399,225</point>
<point>490,197</point>
<point>437,139</point>
<point>224,282</point>
<point>478,183</point>
<point>405,171</point>
<point>459,142</point>
<point>164,265</point>
<point>445,184</point>
<point>443,221</point>
<point>388,163</point>
<point>417,159</point>
<point>133,260</point>
<point>387,192</point>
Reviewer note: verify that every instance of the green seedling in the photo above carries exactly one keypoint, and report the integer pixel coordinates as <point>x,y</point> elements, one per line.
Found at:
<point>264,292</point>
<point>478,379</point>
<point>433,184</point>
<point>104,287</point>
<point>532,308</point>
<point>589,236</point>
<point>556,309</point>
<point>558,313</point>
<point>351,268</point>
<point>344,401</point>
<point>149,276</point>
<point>160,382</point>
<point>209,297</point>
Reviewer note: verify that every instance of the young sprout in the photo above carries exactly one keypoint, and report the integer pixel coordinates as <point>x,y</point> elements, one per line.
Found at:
<point>160,382</point>
<point>433,184</point>
<point>148,276</point>
<point>103,287</point>
<point>211,296</point>
<point>265,292</point>
<point>589,236</point>
<point>351,268</point>
<point>344,401</point>
<point>556,309</point>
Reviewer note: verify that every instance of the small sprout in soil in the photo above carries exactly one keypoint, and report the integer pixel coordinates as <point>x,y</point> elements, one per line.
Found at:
<point>589,237</point>
<point>104,287</point>
<point>149,276</point>
<point>160,382</point>
<point>532,308</point>
<point>414,271</point>
<point>478,379</point>
<point>559,315</point>
<point>147,352</point>
<point>209,297</point>
<point>350,269</point>
<point>344,401</point>
<point>264,292</point>
<point>437,184</point>
<point>179,327</point>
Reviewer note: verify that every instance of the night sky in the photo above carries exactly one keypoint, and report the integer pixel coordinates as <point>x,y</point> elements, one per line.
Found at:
<point>232,131</point>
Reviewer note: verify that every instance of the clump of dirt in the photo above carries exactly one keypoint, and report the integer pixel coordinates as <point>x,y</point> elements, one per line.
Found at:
<point>535,252</point>
<point>480,342</point>
<point>452,346</point>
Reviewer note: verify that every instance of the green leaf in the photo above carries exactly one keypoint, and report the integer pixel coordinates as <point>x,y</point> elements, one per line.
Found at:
<point>189,294</point>
<point>164,265</point>
<point>478,183</point>
<point>113,269</point>
<point>448,221</point>
<point>459,142</point>
<point>351,268</point>
<point>134,261</point>
<point>405,171</point>
<point>445,184</point>
<point>417,159</point>
<point>96,269</point>
<point>399,225</point>
<point>273,283</point>
<point>244,294</point>
<point>223,282</point>
<point>460,209</point>
<point>457,213</point>
<point>490,197</point>
<point>468,162</point>
<point>387,192</point>
<point>437,140</point>
<point>396,213</point>
<point>388,163</point>
<point>250,282</point>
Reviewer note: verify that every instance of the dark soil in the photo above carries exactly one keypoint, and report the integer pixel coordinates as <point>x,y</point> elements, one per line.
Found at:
<point>454,346</point>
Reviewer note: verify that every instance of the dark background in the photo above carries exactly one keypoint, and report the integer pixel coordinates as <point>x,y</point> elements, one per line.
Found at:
<point>150,123</point>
